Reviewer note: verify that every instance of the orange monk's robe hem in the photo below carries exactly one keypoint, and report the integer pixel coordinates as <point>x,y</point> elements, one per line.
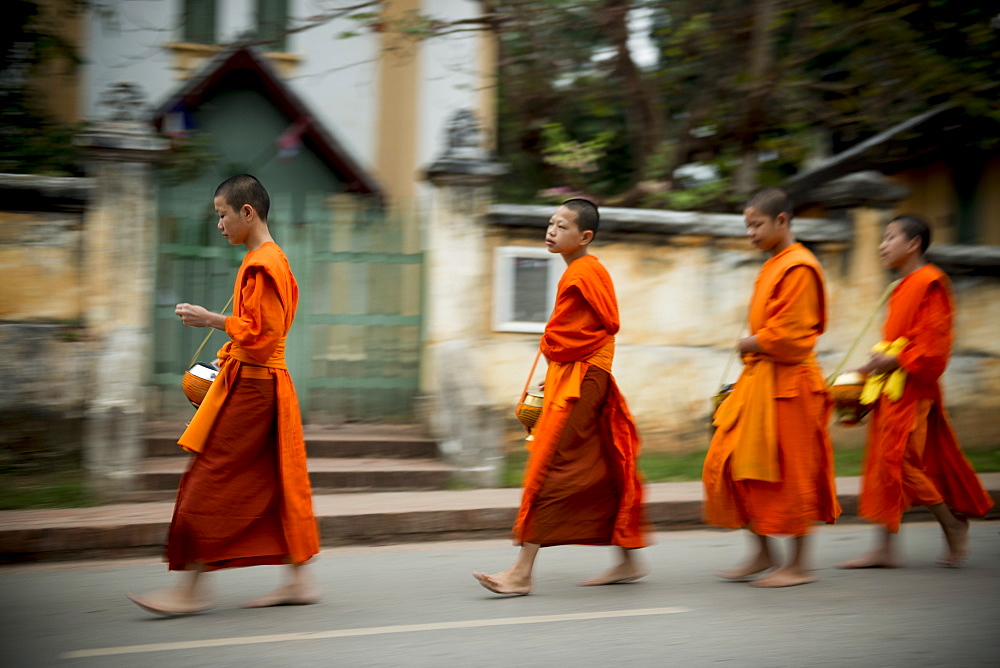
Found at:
<point>769,466</point>
<point>577,339</point>
<point>266,297</point>
<point>579,481</point>
<point>228,511</point>
<point>912,456</point>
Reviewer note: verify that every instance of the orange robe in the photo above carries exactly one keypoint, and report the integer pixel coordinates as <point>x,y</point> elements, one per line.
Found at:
<point>912,457</point>
<point>770,463</point>
<point>245,498</point>
<point>581,484</point>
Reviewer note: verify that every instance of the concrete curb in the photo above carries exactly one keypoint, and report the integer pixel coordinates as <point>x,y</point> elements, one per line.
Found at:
<point>138,529</point>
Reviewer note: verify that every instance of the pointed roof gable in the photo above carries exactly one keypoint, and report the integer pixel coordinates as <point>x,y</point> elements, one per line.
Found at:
<point>245,68</point>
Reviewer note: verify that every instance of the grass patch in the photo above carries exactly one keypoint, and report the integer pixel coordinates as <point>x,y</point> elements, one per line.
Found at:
<point>984,460</point>
<point>50,489</point>
<point>668,467</point>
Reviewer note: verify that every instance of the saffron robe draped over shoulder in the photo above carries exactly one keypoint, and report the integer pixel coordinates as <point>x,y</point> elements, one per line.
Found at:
<point>246,498</point>
<point>912,456</point>
<point>770,463</point>
<point>581,484</point>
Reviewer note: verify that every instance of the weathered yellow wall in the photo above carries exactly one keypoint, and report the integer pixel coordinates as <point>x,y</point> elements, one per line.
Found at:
<point>45,347</point>
<point>988,197</point>
<point>932,195</point>
<point>683,300</point>
<point>40,264</point>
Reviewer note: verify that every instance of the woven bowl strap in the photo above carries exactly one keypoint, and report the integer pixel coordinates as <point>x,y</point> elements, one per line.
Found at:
<point>531,375</point>
<point>881,302</point>
<point>211,330</point>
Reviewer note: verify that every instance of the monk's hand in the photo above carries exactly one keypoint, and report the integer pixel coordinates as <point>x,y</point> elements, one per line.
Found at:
<point>192,315</point>
<point>879,363</point>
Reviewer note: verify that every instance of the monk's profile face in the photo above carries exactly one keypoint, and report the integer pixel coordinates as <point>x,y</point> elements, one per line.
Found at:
<point>896,247</point>
<point>764,232</point>
<point>234,225</point>
<point>563,235</point>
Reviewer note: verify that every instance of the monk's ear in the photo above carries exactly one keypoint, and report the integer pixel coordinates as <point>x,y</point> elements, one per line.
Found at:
<point>586,237</point>
<point>782,219</point>
<point>248,212</point>
<point>913,245</point>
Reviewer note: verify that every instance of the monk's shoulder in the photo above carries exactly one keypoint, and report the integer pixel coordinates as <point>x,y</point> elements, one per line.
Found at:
<point>922,282</point>
<point>587,273</point>
<point>933,275</point>
<point>798,258</point>
<point>269,259</point>
<point>934,283</point>
<point>267,254</point>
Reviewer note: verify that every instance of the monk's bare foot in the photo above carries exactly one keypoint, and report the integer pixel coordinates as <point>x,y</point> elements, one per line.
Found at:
<point>287,595</point>
<point>748,571</point>
<point>170,602</point>
<point>615,575</point>
<point>503,583</point>
<point>784,577</point>
<point>958,545</point>
<point>876,559</point>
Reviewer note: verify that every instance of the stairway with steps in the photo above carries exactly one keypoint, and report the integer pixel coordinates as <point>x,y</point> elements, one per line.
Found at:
<point>349,458</point>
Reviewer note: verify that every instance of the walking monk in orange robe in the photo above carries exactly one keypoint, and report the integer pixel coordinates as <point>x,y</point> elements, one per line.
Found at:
<point>912,457</point>
<point>581,485</point>
<point>770,464</point>
<point>245,499</point>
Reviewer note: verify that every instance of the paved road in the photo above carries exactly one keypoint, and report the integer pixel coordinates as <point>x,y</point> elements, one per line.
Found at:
<point>417,605</point>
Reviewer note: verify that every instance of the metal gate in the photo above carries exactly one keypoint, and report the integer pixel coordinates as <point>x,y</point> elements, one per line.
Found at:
<point>362,310</point>
<point>354,350</point>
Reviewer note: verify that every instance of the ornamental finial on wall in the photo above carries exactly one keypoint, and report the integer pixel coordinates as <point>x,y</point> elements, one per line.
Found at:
<point>464,136</point>
<point>125,102</point>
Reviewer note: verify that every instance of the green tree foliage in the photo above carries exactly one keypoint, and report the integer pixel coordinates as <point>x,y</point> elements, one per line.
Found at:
<point>31,141</point>
<point>748,89</point>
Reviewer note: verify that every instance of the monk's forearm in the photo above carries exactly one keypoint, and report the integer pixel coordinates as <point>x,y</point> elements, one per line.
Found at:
<point>192,315</point>
<point>879,363</point>
<point>216,321</point>
<point>749,344</point>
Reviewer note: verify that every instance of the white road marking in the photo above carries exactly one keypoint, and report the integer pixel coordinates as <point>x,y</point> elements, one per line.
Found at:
<point>369,631</point>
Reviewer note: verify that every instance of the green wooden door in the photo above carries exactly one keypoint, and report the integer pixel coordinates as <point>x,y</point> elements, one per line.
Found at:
<point>363,315</point>
<point>354,350</point>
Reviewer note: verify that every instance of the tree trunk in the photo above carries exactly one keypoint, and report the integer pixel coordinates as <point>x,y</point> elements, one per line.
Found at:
<point>645,126</point>
<point>759,94</point>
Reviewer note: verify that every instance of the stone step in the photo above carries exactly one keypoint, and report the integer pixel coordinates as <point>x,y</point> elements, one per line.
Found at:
<point>327,475</point>
<point>383,441</point>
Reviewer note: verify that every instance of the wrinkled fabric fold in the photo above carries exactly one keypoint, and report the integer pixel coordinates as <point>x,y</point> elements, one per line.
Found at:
<point>750,411</point>
<point>912,456</point>
<point>266,297</point>
<point>584,320</point>
<point>769,466</point>
<point>196,434</point>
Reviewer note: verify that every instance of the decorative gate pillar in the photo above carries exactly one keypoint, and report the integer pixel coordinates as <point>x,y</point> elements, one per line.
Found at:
<point>457,262</point>
<point>119,273</point>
